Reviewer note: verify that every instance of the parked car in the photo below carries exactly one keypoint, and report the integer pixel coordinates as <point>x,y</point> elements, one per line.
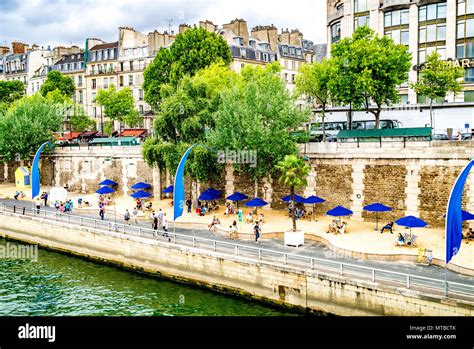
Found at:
<point>440,137</point>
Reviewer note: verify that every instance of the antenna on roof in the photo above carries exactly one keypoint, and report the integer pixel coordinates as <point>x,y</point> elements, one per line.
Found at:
<point>170,27</point>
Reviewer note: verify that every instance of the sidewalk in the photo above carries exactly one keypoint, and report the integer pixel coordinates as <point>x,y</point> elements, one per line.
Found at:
<point>362,240</point>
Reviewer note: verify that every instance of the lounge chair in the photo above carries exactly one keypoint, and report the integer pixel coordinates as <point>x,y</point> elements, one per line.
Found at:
<point>409,239</point>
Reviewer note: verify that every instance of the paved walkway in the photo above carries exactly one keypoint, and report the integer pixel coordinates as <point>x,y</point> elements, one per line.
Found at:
<point>312,249</point>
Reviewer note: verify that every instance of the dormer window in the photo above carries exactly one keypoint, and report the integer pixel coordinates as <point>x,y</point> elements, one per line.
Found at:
<point>239,40</point>
<point>264,46</point>
<point>252,43</point>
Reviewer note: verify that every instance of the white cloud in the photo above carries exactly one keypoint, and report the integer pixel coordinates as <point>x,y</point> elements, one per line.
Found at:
<point>61,22</point>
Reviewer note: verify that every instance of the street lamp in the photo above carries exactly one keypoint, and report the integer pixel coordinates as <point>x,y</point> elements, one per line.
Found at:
<point>265,188</point>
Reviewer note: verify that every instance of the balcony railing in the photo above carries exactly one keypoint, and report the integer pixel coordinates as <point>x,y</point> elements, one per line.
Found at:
<point>391,3</point>
<point>336,15</point>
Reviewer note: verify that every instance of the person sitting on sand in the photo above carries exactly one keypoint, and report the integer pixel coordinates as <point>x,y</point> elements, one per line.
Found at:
<point>400,240</point>
<point>332,227</point>
<point>249,218</point>
<point>389,226</point>
<point>215,221</point>
<point>341,228</point>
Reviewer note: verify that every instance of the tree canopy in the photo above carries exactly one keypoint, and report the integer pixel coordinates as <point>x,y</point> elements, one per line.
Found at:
<point>436,79</point>
<point>56,80</point>
<point>368,69</point>
<point>191,51</point>
<point>11,91</point>
<point>119,105</point>
<point>27,124</point>
<point>256,116</point>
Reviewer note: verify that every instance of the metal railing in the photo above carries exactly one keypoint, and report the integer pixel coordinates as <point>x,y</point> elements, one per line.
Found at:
<point>303,262</point>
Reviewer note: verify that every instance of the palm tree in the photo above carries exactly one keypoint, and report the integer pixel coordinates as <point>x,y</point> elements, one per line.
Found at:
<point>293,174</point>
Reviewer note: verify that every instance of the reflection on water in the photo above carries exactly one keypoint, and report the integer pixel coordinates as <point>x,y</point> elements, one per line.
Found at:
<point>62,285</point>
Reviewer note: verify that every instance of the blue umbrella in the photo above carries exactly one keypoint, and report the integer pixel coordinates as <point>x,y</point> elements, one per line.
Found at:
<point>140,195</point>
<point>108,182</point>
<point>105,190</point>
<point>313,200</point>
<point>213,191</point>
<point>339,211</point>
<point>256,202</point>
<point>237,197</point>
<point>377,207</point>
<point>411,222</point>
<point>168,189</point>
<point>206,196</point>
<point>466,216</point>
<point>297,198</point>
<point>141,185</point>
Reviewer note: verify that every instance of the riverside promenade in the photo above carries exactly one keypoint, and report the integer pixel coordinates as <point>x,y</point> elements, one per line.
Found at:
<point>334,281</point>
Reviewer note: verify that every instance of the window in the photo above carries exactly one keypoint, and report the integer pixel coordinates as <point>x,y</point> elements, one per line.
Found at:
<point>360,21</point>
<point>335,32</point>
<point>130,80</point>
<point>361,6</point>
<point>131,65</point>
<point>140,95</point>
<point>79,81</point>
<point>141,65</point>
<point>468,96</point>
<point>465,7</point>
<point>465,50</point>
<point>93,56</point>
<point>106,54</point>
<point>112,81</point>
<point>469,76</point>
<point>106,83</point>
<point>94,95</point>
<point>99,55</point>
<point>121,80</point>
<point>94,84</point>
<point>432,12</point>
<point>399,36</point>
<point>94,111</point>
<point>403,99</point>
<point>142,111</point>
<point>239,41</point>
<point>396,18</point>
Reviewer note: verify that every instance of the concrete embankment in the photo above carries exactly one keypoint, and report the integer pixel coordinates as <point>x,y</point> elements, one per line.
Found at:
<point>269,282</point>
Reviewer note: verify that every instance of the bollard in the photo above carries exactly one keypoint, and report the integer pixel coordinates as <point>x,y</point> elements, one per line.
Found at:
<point>24,209</point>
<point>14,208</point>
<point>408,281</point>
<point>312,263</point>
<point>373,275</point>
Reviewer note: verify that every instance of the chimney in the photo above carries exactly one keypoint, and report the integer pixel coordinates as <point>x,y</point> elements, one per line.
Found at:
<point>19,47</point>
<point>296,38</point>
<point>208,25</point>
<point>239,28</point>
<point>4,49</point>
<point>267,33</point>
<point>183,27</point>
<point>284,37</point>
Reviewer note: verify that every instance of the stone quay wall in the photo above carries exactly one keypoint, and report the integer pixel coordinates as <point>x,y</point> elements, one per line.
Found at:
<point>265,281</point>
<point>413,178</point>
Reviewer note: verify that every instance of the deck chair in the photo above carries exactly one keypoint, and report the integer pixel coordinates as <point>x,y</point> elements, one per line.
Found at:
<point>409,239</point>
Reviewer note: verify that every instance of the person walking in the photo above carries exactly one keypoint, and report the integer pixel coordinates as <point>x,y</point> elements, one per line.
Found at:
<point>189,204</point>
<point>165,225</point>
<point>101,211</point>
<point>160,218</point>
<point>154,225</point>
<point>38,204</point>
<point>126,217</point>
<point>135,215</point>
<point>256,230</point>
<point>240,215</point>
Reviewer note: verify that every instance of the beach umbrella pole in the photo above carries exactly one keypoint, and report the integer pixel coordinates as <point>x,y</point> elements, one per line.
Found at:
<point>376,221</point>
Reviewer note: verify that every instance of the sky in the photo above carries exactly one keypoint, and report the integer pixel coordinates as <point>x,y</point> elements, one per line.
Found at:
<point>66,22</point>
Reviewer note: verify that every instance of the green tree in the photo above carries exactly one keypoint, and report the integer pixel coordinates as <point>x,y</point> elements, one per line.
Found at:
<point>436,79</point>
<point>183,118</point>
<point>313,80</point>
<point>81,122</point>
<point>28,123</point>
<point>119,105</point>
<point>257,116</point>
<point>56,80</point>
<point>293,173</point>
<point>368,69</point>
<point>11,91</point>
<point>190,52</point>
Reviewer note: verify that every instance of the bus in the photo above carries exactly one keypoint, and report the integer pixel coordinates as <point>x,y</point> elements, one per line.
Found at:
<point>332,128</point>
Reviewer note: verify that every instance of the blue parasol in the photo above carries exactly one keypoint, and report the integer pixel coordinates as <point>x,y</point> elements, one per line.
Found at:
<point>140,195</point>
<point>105,190</point>
<point>141,185</point>
<point>108,182</point>
<point>168,189</point>
<point>237,197</point>
<point>377,207</point>
<point>313,200</point>
<point>297,198</point>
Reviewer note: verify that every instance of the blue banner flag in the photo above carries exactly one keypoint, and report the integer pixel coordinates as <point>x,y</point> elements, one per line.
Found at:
<point>178,189</point>
<point>35,174</point>
<point>454,215</point>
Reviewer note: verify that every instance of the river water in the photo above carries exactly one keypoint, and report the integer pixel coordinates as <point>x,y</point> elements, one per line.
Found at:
<point>60,285</point>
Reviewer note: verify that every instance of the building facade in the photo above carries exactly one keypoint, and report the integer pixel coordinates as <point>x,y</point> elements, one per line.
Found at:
<point>423,26</point>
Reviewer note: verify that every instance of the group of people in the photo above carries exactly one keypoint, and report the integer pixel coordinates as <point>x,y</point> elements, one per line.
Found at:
<point>18,195</point>
<point>203,208</point>
<point>63,206</point>
<point>337,227</point>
